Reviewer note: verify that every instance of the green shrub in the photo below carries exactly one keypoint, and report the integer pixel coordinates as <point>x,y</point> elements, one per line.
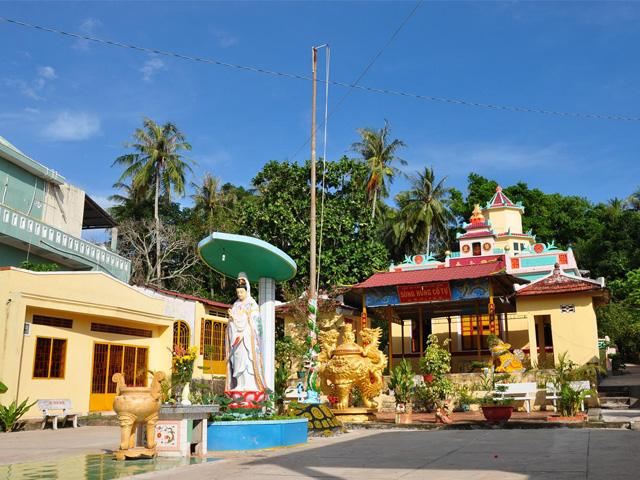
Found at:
<point>10,415</point>
<point>401,382</point>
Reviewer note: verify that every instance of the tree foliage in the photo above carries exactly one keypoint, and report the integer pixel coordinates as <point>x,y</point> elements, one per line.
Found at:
<point>279,213</point>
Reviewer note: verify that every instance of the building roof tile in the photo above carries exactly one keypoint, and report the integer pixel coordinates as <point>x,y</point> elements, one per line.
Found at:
<point>558,282</point>
<point>430,275</point>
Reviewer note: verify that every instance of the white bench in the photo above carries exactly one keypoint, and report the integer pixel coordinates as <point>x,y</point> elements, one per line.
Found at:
<point>577,385</point>
<point>57,404</point>
<point>519,391</point>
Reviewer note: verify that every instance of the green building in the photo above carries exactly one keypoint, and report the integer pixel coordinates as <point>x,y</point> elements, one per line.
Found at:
<point>42,218</point>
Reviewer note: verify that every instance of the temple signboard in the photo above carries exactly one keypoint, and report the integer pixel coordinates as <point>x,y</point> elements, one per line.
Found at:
<point>427,292</point>
<point>430,292</point>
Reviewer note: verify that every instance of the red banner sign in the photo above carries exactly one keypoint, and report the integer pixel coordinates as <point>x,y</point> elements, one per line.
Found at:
<point>430,292</point>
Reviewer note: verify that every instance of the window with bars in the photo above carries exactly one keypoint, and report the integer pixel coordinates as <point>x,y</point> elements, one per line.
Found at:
<point>181,334</point>
<point>111,358</point>
<point>50,357</point>
<point>52,321</point>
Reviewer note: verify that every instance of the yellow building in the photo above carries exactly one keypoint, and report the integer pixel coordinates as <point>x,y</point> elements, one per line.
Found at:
<point>66,333</point>
<point>196,321</point>
<point>502,282</point>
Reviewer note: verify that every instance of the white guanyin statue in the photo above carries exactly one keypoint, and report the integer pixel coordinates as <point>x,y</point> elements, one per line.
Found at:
<point>245,370</point>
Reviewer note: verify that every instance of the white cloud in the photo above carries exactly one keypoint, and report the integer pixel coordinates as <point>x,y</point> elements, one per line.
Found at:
<point>34,111</point>
<point>151,67</point>
<point>224,38</point>
<point>33,88</point>
<point>87,27</point>
<point>47,73</point>
<point>70,126</point>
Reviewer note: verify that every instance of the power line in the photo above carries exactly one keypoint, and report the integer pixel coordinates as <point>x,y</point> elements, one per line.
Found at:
<point>339,84</point>
<point>361,75</point>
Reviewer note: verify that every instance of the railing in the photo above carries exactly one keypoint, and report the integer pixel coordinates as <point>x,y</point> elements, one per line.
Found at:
<point>28,229</point>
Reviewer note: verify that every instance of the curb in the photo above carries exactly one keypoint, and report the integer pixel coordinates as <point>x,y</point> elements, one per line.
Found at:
<point>483,425</point>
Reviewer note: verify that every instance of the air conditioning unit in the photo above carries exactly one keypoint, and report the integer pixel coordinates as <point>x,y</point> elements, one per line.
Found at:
<point>27,329</point>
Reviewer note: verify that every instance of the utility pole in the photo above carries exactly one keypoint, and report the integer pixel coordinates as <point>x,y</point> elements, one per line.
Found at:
<point>313,385</point>
<point>312,263</point>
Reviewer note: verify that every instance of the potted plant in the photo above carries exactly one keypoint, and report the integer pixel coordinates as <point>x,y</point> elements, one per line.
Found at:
<point>465,396</point>
<point>403,386</point>
<point>497,409</point>
<point>616,363</point>
<point>437,388</point>
<point>563,376</point>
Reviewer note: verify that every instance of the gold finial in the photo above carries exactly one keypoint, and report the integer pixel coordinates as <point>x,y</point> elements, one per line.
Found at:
<point>477,216</point>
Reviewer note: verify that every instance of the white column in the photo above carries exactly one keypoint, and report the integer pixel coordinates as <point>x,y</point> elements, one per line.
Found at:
<point>267,297</point>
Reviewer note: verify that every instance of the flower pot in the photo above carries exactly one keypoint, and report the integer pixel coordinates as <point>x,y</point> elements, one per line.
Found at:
<point>442,417</point>
<point>497,413</point>
<point>403,413</point>
<point>185,395</point>
<point>578,417</point>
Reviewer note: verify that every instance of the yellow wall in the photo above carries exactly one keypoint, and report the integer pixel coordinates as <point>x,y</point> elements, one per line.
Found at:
<point>504,218</point>
<point>576,333</point>
<point>83,298</point>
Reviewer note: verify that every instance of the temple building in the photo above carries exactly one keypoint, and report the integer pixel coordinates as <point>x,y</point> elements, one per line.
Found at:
<point>501,281</point>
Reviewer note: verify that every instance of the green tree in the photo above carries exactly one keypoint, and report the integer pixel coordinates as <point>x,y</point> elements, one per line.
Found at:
<point>158,161</point>
<point>632,202</point>
<point>209,196</point>
<point>379,154</point>
<point>279,214</point>
<point>425,206</point>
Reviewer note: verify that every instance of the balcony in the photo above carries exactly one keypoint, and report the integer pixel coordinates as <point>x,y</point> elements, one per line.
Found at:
<point>26,233</point>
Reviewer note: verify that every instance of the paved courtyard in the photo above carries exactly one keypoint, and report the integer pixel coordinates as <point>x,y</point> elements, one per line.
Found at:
<point>371,455</point>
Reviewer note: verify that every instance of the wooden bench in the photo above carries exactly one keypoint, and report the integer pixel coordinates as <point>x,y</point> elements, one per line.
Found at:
<point>57,404</point>
<point>577,385</point>
<point>519,391</point>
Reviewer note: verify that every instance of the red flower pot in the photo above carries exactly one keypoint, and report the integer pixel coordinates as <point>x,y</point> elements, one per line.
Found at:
<point>497,413</point>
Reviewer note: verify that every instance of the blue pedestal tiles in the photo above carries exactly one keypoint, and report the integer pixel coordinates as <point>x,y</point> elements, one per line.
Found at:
<point>256,435</point>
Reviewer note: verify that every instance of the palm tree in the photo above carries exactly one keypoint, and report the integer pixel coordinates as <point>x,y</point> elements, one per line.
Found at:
<point>158,162</point>
<point>425,208</point>
<point>379,153</point>
<point>633,201</point>
<point>209,196</point>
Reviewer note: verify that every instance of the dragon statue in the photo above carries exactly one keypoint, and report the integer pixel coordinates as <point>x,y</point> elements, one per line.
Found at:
<point>508,362</point>
<point>351,365</point>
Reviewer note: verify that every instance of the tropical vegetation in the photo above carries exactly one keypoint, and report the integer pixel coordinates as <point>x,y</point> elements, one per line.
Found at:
<point>358,232</point>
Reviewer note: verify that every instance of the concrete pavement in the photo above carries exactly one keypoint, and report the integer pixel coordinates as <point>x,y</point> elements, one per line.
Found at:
<point>373,455</point>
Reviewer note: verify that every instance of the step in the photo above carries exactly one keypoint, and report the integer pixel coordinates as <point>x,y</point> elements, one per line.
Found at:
<point>614,402</point>
<point>613,393</point>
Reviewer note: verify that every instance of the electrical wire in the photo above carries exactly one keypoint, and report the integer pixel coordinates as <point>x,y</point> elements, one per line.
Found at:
<point>324,164</point>
<point>361,75</point>
<point>338,84</point>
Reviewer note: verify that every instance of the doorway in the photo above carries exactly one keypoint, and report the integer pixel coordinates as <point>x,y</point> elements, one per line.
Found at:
<point>110,358</point>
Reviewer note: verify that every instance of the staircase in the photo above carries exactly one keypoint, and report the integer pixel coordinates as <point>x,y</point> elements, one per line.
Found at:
<point>614,396</point>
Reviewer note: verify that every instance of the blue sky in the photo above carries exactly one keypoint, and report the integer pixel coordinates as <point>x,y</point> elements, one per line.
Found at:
<point>70,104</point>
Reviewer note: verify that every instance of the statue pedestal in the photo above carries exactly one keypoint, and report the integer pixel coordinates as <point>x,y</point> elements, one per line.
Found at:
<point>355,415</point>
<point>181,430</point>
<point>135,453</point>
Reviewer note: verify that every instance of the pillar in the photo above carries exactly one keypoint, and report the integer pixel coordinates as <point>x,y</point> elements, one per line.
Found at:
<point>267,299</point>
<point>533,344</point>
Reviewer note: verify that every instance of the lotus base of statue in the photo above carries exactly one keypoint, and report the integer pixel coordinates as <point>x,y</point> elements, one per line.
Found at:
<point>245,399</point>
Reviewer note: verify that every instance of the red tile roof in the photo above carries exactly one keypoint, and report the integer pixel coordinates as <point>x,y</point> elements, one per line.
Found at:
<point>558,282</point>
<point>188,297</point>
<point>429,275</point>
<point>501,200</point>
